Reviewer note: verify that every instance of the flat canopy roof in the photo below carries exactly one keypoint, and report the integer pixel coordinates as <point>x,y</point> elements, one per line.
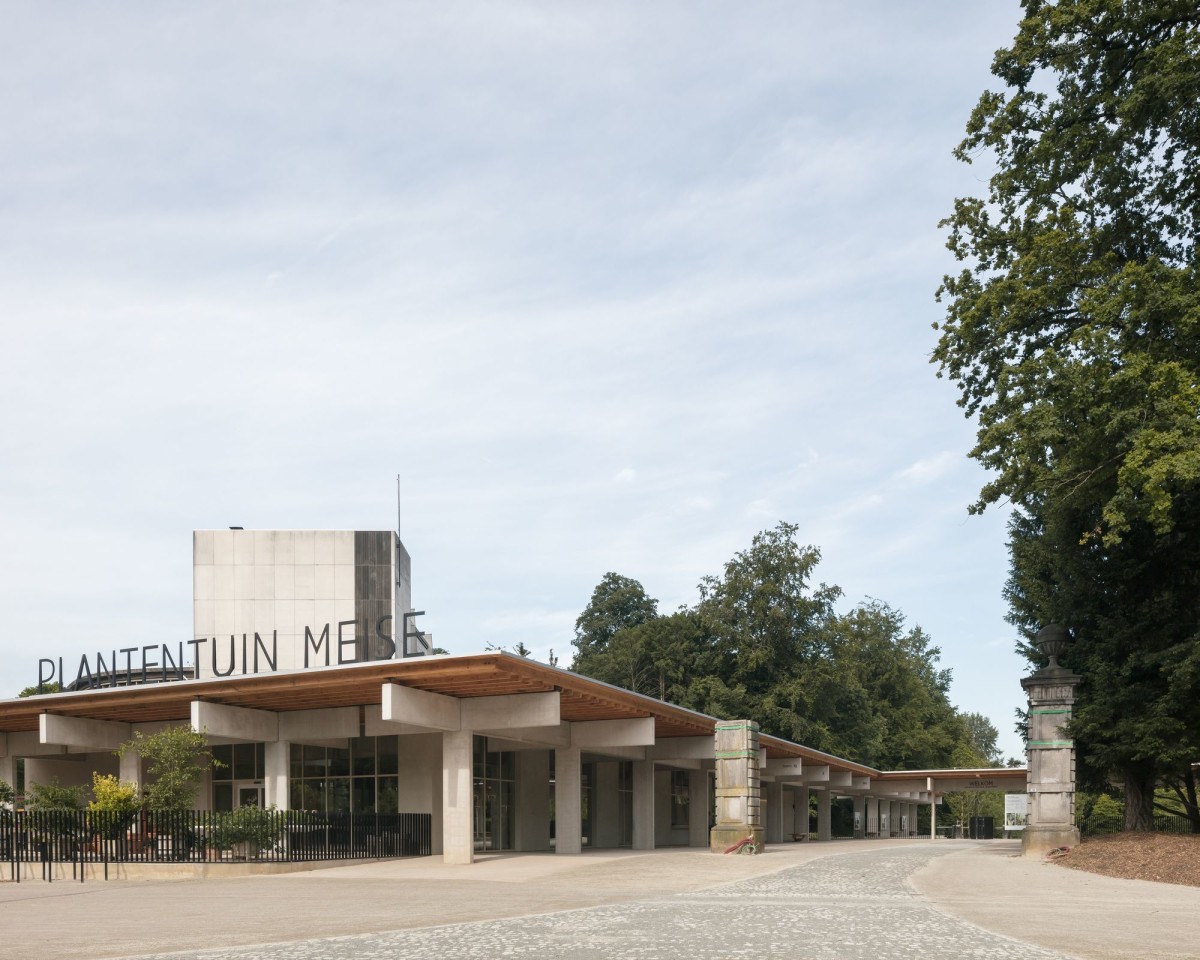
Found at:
<point>472,675</point>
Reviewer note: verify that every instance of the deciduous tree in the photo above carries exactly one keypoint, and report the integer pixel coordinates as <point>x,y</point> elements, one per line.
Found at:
<point>1073,333</point>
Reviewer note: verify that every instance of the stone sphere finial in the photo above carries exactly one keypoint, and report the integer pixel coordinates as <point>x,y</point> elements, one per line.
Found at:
<point>1051,641</point>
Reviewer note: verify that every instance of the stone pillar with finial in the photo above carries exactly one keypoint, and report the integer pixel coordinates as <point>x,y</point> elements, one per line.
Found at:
<point>1050,751</point>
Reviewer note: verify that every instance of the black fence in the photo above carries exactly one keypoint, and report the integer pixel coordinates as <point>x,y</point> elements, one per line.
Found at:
<point>49,837</point>
<point>1093,826</point>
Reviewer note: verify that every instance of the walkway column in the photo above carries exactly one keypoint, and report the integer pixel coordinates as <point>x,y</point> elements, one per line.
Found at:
<point>739,811</point>
<point>643,804</point>
<point>1051,755</point>
<point>458,839</point>
<point>824,819</point>
<point>774,814</point>
<point>933,819</point>
<point>277,757</point>
<point>860,817</point>
<point>698,808</point>
<point>802,810</point>
<point>8,768</point>
<point>568,813</point>
<point>130,769</point>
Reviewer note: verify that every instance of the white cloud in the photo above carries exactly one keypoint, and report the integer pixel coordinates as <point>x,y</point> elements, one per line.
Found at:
<point>932,468</point>
<point>252,266</point>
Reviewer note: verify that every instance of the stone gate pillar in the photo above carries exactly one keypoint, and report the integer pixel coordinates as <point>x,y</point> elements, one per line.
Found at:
<point>739,810</point>
<point>1050,753</point>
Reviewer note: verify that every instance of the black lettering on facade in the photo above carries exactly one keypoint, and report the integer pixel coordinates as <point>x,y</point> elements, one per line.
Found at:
<point>84,668</point>
<point>343,641</point>
<point>316,644</point>
<point>232,657</point>
<point>273,657</point>
<point>389,649</point>
<point>146,662</point>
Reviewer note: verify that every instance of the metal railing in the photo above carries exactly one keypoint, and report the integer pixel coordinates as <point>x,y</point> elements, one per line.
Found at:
<point>249,834</point>
<point>1098,826</point>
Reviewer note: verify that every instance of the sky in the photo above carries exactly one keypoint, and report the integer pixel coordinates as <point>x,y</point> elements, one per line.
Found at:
<point>611,287</point>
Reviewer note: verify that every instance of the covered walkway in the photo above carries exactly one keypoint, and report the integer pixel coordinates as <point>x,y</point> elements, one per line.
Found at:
<point>499,750</point>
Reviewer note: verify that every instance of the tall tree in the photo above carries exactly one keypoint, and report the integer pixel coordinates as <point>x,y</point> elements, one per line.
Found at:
<point>1072,332</point>
<point>984,737</point>
<point>764,642</point>
<point>617,602</point>
<point>764,614</point>
<point>908,695</point>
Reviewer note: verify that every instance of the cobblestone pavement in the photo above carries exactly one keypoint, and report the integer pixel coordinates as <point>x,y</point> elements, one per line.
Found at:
<point>851,907</point>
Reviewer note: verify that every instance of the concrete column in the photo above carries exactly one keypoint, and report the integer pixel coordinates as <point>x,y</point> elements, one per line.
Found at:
<point>568,771</point>
<point>698,808</point>
<point>774,817</point>
<point>824,818</point>
<point>458,837</point>
<point>437,830</point>
<point>606,820</point>
<point>643,804</point>
<point>860,817</point>
<point>872,816</point>
<point>933,819</point>
<point>8,770</point>
<point>277,757</point>
<point>531,818</point>
<point>802,810</point>
<point>131,767</point>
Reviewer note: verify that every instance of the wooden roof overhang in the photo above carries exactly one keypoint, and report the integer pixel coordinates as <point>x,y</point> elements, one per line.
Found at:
<point>359,684</point>
<point>778,748</point>
<point>473,675</point>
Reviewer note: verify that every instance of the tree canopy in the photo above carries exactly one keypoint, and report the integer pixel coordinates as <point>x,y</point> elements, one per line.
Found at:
<point>1071,331</point>
<point>763,641</point>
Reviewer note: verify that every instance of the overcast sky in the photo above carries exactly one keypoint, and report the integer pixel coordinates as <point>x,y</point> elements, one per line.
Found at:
<point>613,286</point>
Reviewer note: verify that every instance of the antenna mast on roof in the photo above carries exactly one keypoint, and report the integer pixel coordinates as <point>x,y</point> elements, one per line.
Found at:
<point>397,506</point>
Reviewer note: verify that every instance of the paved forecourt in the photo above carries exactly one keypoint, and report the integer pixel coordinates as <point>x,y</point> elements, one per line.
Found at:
<point>834,900</point>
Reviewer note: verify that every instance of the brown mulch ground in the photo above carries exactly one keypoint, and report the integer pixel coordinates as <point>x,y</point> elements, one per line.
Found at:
<point>1164,857</point>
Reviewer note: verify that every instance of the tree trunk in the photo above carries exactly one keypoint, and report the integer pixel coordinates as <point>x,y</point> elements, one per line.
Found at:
<point>1139,798</point>
<point>1192,808</point>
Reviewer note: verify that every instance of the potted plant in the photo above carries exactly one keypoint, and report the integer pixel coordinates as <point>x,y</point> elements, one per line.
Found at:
<point>247,831</point>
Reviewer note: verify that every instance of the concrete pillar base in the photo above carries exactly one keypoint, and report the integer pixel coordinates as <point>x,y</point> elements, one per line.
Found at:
<point>1038,840</point>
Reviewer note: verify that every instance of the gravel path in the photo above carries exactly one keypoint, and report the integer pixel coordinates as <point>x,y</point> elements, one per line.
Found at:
<point>854,907</point>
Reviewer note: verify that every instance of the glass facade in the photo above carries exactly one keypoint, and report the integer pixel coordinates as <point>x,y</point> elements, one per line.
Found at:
<point>625,803</point>
<point>493,780</point>
<point>361,778</point>
<point>237,775</point>
<point>680,798</point>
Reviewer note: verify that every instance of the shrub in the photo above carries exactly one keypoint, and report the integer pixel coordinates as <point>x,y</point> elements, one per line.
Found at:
<point>54,796</point>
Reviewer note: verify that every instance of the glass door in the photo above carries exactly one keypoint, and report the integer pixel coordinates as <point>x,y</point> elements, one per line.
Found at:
<point>248,794</point>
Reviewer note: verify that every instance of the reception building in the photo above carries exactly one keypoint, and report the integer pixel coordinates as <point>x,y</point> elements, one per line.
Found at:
<point>317,690</point>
